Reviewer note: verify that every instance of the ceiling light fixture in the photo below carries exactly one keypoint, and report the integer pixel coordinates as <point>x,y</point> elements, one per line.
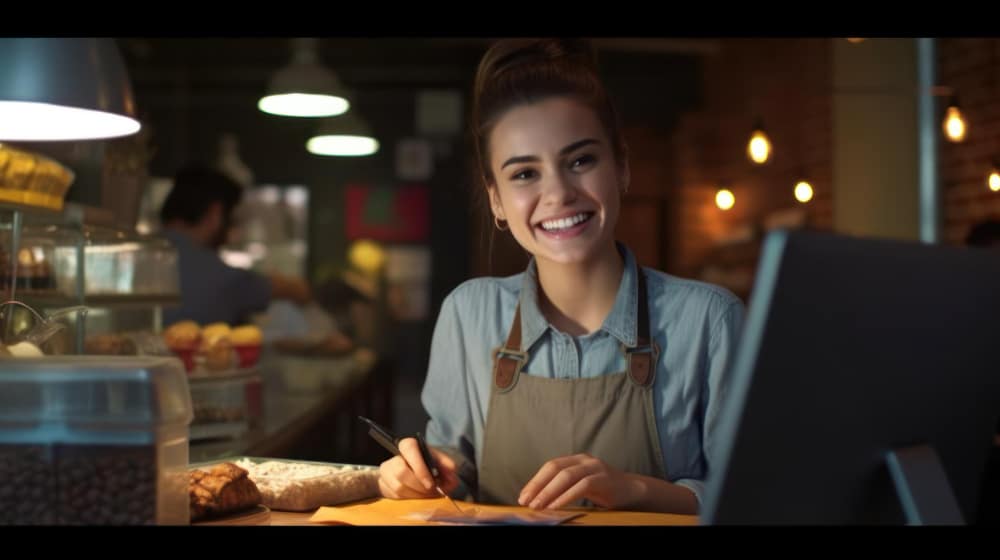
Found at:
<point>347,135</point>
<point>305,88</point>
<point>62,89</point>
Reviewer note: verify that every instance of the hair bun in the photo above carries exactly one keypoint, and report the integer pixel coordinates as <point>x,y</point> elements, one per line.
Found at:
<point>541,52</point>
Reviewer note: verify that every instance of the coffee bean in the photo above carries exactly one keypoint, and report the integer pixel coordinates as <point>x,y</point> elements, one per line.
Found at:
<point>79,484</point>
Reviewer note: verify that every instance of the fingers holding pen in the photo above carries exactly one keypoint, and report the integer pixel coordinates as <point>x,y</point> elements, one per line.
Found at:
<point>400,476</point>
<point>410,450</point>
<point>448,470</point>
<point>398,481</point>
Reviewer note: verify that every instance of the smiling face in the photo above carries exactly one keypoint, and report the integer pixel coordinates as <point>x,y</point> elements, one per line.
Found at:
<point>557,183</point>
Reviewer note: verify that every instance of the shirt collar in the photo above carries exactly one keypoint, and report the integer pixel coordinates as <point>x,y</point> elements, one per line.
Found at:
<point>620,323</point>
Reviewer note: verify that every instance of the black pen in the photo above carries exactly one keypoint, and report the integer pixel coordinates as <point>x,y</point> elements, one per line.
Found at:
<point>391,443</point>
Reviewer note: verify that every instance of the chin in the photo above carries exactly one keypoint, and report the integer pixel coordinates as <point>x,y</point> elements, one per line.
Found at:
<point>576,255</point>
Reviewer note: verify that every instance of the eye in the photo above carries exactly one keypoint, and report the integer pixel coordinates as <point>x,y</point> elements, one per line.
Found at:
<point>583,161</point>
<point>523,175</point>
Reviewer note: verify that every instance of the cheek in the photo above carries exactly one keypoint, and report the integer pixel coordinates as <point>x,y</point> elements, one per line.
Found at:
<point>519,204</point>
<point>605,190</point>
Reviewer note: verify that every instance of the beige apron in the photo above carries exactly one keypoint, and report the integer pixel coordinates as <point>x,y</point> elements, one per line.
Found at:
<point>533,419</point>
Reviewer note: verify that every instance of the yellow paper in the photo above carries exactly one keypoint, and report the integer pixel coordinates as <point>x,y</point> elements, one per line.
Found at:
<point>383,511</point>
<point>480,516</point>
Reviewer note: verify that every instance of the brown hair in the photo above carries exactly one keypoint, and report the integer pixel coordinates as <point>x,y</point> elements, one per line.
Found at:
<point>518,71</point>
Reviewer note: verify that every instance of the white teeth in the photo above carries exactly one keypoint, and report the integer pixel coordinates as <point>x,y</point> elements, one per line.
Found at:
<point>564,223</point>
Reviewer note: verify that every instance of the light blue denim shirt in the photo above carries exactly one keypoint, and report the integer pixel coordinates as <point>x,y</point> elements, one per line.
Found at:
<point>696,326</point>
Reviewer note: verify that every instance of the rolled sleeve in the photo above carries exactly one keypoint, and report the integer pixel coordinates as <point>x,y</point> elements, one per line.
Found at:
<point>445,394</point>
<point>694,485</point>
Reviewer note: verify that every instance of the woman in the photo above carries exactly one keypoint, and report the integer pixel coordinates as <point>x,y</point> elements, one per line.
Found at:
<point>586,378</point>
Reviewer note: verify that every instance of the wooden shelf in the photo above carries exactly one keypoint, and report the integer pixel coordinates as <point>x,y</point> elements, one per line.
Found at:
<point>37,299</point>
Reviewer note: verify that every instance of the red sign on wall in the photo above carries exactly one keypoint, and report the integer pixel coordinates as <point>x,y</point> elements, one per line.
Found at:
<point>387,213</point>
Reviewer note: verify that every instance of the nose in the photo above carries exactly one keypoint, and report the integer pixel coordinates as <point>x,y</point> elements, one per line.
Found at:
<point>559,190</point>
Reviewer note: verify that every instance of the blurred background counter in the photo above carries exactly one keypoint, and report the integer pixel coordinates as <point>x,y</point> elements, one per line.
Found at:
<point>303,407</point>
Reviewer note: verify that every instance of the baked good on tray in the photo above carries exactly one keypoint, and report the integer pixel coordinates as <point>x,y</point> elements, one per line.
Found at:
<point>222,490</point>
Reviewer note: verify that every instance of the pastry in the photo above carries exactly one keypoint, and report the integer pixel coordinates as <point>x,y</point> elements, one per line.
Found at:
<point>184,334</point>
<point>223,489</point>
<point>246,335</point>
<point>213,332</point>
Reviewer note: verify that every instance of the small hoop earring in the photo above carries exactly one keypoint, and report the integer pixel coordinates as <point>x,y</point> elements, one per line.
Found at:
<point>496,222</point>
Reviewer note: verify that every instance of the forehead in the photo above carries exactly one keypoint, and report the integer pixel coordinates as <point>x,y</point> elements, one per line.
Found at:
<point>543,127</point>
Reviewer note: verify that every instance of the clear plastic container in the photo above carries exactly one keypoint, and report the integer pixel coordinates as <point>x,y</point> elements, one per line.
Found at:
<point>94,441</point>
<point>117,263</point>
<point>220,404</point>
<point>289,485</point>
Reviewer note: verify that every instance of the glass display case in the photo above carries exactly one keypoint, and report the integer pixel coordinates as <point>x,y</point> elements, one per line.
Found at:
<point>106,286</point>
<point>74,287</point>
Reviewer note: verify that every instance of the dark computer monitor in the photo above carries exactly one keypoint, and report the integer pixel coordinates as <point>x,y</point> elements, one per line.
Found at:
<point>866,386</point>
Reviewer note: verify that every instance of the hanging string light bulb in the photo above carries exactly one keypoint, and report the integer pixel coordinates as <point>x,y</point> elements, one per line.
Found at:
<point>955,127</point>
<point>993,181</point>
<point>759,147</point>
<point>803,191</point>
<point>725,199</point>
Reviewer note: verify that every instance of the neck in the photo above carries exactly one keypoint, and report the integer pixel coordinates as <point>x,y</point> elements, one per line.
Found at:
<point>196,232</point>
<point>576,298</point>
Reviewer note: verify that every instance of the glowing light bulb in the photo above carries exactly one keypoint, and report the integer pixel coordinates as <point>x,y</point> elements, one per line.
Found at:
<point>803,191</point>
<point>955,127</point>
<point>724,199</point>
<point>994,180</point>
<point>759,148</point>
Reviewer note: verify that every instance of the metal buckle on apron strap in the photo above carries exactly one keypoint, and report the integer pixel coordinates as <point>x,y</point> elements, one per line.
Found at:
<point>507,366</point>
<point>640,362</point>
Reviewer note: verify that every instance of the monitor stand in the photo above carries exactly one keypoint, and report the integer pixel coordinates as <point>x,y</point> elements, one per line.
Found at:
<point>922,486</point>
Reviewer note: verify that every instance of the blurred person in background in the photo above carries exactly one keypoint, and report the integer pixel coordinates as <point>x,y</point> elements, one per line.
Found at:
<point>339,319</point>
<point>197,218</point>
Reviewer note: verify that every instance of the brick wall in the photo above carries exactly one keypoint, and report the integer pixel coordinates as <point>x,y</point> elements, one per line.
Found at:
<point>972,68</point>
<point>786,82</point>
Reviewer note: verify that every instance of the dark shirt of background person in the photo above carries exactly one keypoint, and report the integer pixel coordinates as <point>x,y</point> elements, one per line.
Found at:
<point>197,217</point>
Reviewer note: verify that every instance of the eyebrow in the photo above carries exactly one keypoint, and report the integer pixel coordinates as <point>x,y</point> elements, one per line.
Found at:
<point>574,146</point>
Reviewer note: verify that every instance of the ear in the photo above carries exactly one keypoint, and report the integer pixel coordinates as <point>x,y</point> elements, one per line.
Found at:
<point>495,206</point>
<point>625,176</point>
<point>214,213</point>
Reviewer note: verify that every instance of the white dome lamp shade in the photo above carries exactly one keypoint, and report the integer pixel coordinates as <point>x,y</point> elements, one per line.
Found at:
<point>347,135</point>
<point>305,88</point>
<point>62,89</point>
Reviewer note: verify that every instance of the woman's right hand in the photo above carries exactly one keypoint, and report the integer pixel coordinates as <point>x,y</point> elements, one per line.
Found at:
<point>405,476</point>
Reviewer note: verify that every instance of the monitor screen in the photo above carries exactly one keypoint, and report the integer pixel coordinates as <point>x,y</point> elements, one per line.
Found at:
<point>866,386</point>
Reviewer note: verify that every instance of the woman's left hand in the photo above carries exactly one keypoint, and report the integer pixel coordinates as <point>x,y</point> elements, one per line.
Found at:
<point>564,480</point>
